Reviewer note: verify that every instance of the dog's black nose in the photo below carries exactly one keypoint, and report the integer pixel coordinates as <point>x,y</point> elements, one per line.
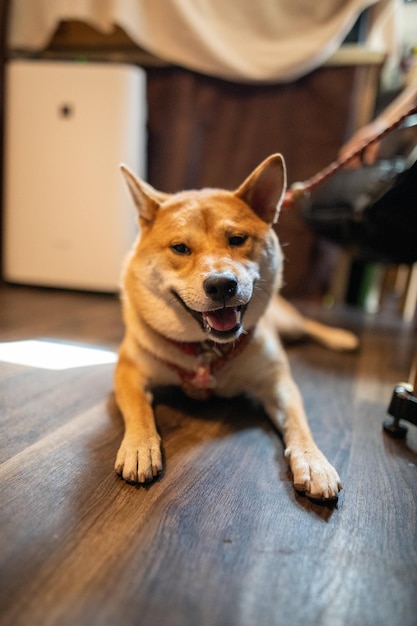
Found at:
<point>220,287</point>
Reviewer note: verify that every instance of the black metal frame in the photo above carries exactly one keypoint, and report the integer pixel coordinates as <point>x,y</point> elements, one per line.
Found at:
<point>403,407</point>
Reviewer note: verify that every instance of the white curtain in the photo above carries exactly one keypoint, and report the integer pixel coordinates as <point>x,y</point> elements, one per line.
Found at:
<point>238,40</point>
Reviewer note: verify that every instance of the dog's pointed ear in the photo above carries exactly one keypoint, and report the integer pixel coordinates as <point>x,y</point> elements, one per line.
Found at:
<point>146,199</point>
<point>264,189</point>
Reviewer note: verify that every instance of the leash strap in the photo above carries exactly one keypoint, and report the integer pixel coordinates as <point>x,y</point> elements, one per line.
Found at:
<point>299,190</point>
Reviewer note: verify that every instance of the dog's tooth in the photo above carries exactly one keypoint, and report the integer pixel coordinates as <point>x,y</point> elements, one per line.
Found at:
<point>207,326</point>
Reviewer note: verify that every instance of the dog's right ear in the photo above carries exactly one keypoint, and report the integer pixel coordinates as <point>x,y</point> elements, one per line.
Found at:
<point>145,198</point>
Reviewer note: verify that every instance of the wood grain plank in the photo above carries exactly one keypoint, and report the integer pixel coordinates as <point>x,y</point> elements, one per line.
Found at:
<point>221,538</point>
<point>35,401</point>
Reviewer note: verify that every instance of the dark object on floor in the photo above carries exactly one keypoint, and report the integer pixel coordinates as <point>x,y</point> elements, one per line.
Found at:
<point>403,406</point>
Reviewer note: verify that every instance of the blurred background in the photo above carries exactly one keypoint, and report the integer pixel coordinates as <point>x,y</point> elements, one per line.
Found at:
<point>188,95</point>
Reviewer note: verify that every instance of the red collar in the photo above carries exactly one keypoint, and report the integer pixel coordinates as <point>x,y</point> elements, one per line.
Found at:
<point>211,357</point>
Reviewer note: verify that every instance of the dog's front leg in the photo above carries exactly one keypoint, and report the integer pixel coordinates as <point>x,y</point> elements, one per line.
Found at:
<point>139,457</point>
<point>312,472</point>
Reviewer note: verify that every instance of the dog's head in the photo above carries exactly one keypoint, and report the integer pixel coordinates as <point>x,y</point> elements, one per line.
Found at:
<point>206,262</point>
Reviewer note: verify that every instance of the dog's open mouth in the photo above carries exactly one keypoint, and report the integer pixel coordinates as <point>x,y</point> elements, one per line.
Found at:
<point>224,323</point>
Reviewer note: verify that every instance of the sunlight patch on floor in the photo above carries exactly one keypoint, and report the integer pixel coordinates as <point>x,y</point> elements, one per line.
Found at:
<point>53,354</point>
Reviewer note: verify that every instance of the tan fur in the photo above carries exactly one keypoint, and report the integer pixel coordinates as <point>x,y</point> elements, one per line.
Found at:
<point>199,252</point>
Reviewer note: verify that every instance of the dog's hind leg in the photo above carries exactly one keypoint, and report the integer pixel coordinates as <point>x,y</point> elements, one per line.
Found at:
<point>292,325</point>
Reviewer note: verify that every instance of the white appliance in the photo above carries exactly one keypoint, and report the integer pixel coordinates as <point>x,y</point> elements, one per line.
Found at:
<point>68,217</point>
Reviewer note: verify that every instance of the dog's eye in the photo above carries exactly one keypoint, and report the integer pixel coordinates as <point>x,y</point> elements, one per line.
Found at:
<point>180,248</point>
<point>237,240</point>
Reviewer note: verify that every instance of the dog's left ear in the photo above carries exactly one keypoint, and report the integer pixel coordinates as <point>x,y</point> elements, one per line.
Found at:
<point>146,199</point>
<point>264,189</point>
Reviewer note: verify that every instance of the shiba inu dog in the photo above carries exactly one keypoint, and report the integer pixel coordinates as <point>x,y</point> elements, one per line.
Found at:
<point>201,311</point>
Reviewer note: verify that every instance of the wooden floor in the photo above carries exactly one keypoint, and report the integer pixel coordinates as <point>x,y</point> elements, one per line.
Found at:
<point>221,539</point>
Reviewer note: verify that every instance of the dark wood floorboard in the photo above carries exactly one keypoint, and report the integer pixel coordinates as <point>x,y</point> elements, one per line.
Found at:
<point>221,539</point>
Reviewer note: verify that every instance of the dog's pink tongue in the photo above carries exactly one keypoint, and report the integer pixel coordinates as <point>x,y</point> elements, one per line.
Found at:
<point>223,319</point>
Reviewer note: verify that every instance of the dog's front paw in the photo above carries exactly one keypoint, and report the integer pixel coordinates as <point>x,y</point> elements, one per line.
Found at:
<point>139,461</point>
<point>313,474</point>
